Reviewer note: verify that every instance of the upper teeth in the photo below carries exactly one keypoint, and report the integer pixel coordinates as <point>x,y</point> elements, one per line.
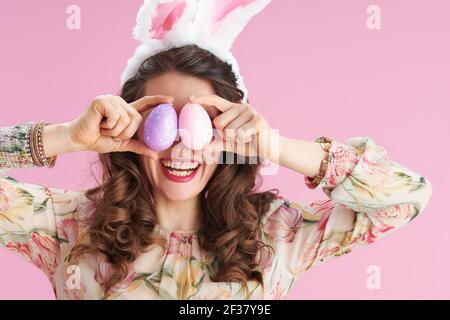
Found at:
<point>179,165</point>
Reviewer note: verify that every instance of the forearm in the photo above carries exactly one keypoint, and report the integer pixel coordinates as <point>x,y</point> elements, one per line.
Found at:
<point>301,156</point>
<point>15,149</point>
<point>57,140</point>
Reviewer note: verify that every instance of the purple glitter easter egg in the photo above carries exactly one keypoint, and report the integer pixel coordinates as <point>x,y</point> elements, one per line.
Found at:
<point>161,127</point>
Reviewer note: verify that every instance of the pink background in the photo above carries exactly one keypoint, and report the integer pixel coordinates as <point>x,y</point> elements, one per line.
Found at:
<point>312,68</point>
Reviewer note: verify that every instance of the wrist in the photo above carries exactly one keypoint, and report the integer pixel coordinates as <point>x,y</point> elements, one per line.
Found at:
<point>57,140</point>
<point>302,156</point>
<point>325,144</point>
<point>269,145</point>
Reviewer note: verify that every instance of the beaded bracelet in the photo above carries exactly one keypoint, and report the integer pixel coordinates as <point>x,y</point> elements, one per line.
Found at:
<point>37,146</point>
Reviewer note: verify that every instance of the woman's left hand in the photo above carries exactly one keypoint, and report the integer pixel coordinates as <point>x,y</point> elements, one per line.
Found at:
<point>243,130</point>
<point>246,132</point>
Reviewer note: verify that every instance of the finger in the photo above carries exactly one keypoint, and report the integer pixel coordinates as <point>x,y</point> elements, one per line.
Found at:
<point>148,102</point>
<point>110,101</point>
<point>225,118</point>
<point>121,124</point>
<point>213,100</point>
<point>108,112</point>
<point>132,128</point>
<point>249,129</point>
<point>245,117</point>
<point>245,136</point>
<point>138,147</point>
<point>252,127</point>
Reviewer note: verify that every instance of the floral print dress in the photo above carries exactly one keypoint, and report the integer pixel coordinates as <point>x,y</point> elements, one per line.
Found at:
<point>366,197</point>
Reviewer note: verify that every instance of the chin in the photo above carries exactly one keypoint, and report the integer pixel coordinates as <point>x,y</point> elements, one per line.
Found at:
<point>178,194</point>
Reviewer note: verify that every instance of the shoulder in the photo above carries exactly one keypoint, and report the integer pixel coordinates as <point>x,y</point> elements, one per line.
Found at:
<point>65,201</point>
<point>282,216</point>
<point>71,209</point>
<point>275,205</point>
<point>285,217</point>
<point>308,211</point>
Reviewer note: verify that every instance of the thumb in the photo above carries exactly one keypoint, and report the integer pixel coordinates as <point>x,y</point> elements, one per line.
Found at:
<point>136,146</point>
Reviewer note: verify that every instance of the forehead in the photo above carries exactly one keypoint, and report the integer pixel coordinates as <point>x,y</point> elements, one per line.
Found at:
<point>179,86</point>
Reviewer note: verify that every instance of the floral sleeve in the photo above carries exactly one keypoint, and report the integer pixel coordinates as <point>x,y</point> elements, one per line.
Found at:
<point>368,197</point>
<point>28,224</point>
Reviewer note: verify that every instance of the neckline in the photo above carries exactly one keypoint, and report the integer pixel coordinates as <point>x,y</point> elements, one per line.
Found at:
<point>158,227</point>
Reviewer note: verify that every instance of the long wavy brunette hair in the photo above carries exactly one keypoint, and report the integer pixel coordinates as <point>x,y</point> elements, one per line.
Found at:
<point>120,228</point>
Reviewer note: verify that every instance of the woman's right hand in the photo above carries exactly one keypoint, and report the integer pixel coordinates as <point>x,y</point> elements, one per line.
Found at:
<point>108,125</point>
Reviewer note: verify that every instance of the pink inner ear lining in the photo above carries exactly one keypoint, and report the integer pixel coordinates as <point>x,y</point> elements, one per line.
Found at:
<point>223,7</point>
<point>166,16</point>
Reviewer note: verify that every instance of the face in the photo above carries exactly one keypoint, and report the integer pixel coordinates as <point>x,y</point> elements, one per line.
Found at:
<point>178,178</point>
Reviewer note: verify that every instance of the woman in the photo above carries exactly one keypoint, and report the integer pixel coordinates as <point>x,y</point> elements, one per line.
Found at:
<point>143,234</point>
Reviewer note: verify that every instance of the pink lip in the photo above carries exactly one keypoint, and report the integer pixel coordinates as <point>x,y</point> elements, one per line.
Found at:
<point>174,178</point>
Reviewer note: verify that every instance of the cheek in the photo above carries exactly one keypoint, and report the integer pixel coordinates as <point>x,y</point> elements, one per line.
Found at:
<point>151,169</point>
<point>209,170</point>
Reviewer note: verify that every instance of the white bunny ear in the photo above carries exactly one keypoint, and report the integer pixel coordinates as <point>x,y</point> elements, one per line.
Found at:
<point>210,24</point>
<point>156,19</point>
<point>227,18</point>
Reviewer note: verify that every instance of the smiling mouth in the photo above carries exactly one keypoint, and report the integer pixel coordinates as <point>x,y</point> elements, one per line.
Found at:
<point>180,168</point>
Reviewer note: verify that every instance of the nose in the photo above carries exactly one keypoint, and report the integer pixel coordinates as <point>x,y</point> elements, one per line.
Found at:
<point>180,152</point>
<point>178,104</point>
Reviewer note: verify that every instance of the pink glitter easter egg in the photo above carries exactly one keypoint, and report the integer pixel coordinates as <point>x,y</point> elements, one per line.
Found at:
<point>195,126</point>
<point>161,127</point>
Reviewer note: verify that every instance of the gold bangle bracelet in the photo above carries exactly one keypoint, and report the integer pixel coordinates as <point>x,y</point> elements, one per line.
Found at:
<point>325,143</point>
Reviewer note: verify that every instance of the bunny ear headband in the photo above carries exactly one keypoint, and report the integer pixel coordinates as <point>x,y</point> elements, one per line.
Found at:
<point>210,24</point>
